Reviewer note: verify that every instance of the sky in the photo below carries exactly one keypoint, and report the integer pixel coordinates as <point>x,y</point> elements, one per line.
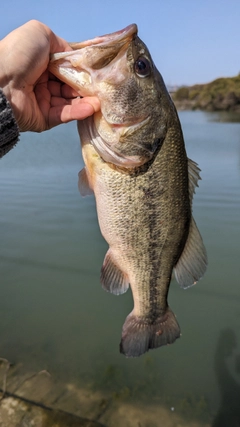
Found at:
<point>191,41</point>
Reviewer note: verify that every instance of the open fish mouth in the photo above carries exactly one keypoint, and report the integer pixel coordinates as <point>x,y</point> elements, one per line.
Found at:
<point>92,68</point>
<point>77,67</point>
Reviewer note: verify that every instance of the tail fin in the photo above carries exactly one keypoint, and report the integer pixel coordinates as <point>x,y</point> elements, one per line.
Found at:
<point>138,335</point>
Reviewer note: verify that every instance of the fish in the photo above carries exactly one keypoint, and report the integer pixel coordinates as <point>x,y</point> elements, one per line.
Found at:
<point>143,182</point>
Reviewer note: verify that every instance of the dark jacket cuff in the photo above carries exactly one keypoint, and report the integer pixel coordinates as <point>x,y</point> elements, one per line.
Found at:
<point>9,131</point>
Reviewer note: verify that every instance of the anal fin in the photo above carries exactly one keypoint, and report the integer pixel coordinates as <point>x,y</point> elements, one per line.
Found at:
<point>112,278</point>
<point>192,263</point>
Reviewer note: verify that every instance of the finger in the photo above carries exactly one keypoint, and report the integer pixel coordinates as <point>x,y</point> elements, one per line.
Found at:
<point>59,89</point>
<point>79,102</point>
<point>68,92</point>
<point>76,112</point>
<point>57,101</point>
<point>54,88</point>
<point>56,43</point>
<point>79,110</point>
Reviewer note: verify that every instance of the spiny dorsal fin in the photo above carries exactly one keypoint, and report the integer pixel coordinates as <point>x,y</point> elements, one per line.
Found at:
<point>193,177</point>
<point>112,278</point>
<point>192,263</point>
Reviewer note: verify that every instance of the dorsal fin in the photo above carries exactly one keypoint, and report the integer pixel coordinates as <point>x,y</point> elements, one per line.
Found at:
<point>193,178</point>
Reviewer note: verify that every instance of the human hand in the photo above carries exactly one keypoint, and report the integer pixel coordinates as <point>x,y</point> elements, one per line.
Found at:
<point>38,100</point>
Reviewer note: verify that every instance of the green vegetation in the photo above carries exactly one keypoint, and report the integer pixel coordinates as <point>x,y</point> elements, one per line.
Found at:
<point>222,94</point>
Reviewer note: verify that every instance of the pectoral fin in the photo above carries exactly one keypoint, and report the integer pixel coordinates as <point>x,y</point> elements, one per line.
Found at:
<point>83,183</point>
<point>112,278</point>
<point>192,263</point>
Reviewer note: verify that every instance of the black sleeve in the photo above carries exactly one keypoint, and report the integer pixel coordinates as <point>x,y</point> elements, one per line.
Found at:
<point>9,131</point>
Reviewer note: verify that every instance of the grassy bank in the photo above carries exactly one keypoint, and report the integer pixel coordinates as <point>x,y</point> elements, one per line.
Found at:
<point>222,94</point>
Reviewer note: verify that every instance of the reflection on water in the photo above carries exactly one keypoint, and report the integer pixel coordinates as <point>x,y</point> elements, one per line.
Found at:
<point>229,409</point>
<point>224,116</point>
<point>54,314</point>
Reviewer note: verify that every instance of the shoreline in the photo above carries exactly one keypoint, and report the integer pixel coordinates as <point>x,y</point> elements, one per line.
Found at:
<point>40,400</point>
<point>220,95</point>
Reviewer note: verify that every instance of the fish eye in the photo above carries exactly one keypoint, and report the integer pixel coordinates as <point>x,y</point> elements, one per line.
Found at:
<point>142,67</point>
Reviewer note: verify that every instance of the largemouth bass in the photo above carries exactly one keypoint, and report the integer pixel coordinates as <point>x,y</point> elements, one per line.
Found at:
<point>143,182</point>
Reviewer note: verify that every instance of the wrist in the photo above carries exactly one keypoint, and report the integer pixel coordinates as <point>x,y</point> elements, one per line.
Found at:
<point>5,77</point>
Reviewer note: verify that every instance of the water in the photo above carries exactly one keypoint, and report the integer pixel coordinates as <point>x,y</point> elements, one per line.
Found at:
<point>54,314</point>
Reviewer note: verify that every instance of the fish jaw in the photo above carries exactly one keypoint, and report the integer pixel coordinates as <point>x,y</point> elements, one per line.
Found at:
<point>81,67</point>
<point>122,131</point>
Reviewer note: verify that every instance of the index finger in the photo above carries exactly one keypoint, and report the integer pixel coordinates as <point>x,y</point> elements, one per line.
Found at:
<point>57,88</point>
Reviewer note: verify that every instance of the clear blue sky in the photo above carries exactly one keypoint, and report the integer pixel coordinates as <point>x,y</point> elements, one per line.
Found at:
<point>191,41</point>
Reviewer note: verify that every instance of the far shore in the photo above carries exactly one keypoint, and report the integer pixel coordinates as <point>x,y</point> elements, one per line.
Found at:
<point>222,94</point>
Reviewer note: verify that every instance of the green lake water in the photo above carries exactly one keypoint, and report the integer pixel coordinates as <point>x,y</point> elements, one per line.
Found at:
<point>54,313</point>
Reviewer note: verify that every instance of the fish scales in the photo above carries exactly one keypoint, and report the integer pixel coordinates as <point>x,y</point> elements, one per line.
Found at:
<point>150,226</point>
<point>136,166</point>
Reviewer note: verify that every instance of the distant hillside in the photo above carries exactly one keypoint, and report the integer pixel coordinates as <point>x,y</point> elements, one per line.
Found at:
<point>222,94</point>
